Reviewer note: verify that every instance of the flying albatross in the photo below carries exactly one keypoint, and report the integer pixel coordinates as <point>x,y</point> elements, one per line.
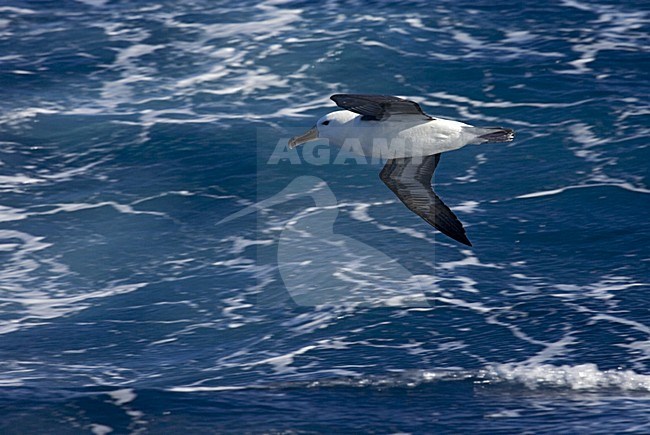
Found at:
<point>384,126</point>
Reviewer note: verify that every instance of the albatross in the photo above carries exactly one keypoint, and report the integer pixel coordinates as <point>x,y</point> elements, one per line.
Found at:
<point>384,126</point>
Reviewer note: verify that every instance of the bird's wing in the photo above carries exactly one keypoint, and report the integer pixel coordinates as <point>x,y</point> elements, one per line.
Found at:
<point>380,107</point>
<point>410,179</point>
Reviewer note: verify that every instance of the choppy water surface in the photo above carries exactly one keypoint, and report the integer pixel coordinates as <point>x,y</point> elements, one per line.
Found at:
<point>129,131</point>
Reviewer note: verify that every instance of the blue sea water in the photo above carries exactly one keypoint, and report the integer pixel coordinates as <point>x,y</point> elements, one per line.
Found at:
<point>129,130</point>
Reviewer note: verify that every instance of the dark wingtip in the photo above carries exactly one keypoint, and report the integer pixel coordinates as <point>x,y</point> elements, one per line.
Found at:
<point>458,236</point>
<point>462,238</point>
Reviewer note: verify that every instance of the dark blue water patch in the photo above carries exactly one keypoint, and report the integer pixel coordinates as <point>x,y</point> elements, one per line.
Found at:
<point>438,407</point>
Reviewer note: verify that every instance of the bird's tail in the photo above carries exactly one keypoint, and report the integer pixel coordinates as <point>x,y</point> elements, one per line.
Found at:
<point>493,134</point>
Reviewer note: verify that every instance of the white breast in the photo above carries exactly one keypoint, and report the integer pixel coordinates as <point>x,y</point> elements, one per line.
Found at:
<point>397,138</point>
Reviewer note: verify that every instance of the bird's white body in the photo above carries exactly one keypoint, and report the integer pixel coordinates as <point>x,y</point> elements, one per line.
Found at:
<point>397,130</point>
<point>396,137</point>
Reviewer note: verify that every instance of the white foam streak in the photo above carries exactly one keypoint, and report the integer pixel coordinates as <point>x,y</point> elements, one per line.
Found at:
<point>579,377</point>
<point>470,259</point>
<point>209,389</point>
<point>625,186</point>
<point>282,364</point>
<point>503,104</point>
<point>468,207</point>
<point>640,345</point>
<point>122,397</point>
<point>95,3</point>
<point>19,11</point>
<point>11,214</point>
<point>38,306</point>
<point>613,30</point>
<point>582,377</point>
<point>26,114</point>
<point>100,429</point>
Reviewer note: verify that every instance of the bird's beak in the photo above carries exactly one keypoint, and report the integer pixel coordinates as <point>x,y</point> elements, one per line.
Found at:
<point>312,134</point>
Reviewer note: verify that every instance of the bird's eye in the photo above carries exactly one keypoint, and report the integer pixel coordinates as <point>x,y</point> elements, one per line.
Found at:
<point>325,122</point>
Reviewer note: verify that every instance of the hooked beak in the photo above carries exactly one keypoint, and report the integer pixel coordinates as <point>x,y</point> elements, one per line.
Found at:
<point>312,134</point>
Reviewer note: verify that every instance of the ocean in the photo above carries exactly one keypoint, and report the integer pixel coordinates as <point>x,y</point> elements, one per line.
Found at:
<point>167,265</point>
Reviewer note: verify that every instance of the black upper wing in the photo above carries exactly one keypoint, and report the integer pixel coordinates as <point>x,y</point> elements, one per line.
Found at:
<point>379,107</point>
<point>410,179</point>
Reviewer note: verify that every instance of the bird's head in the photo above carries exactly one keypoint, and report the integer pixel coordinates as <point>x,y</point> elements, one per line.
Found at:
<point>330,126</point>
